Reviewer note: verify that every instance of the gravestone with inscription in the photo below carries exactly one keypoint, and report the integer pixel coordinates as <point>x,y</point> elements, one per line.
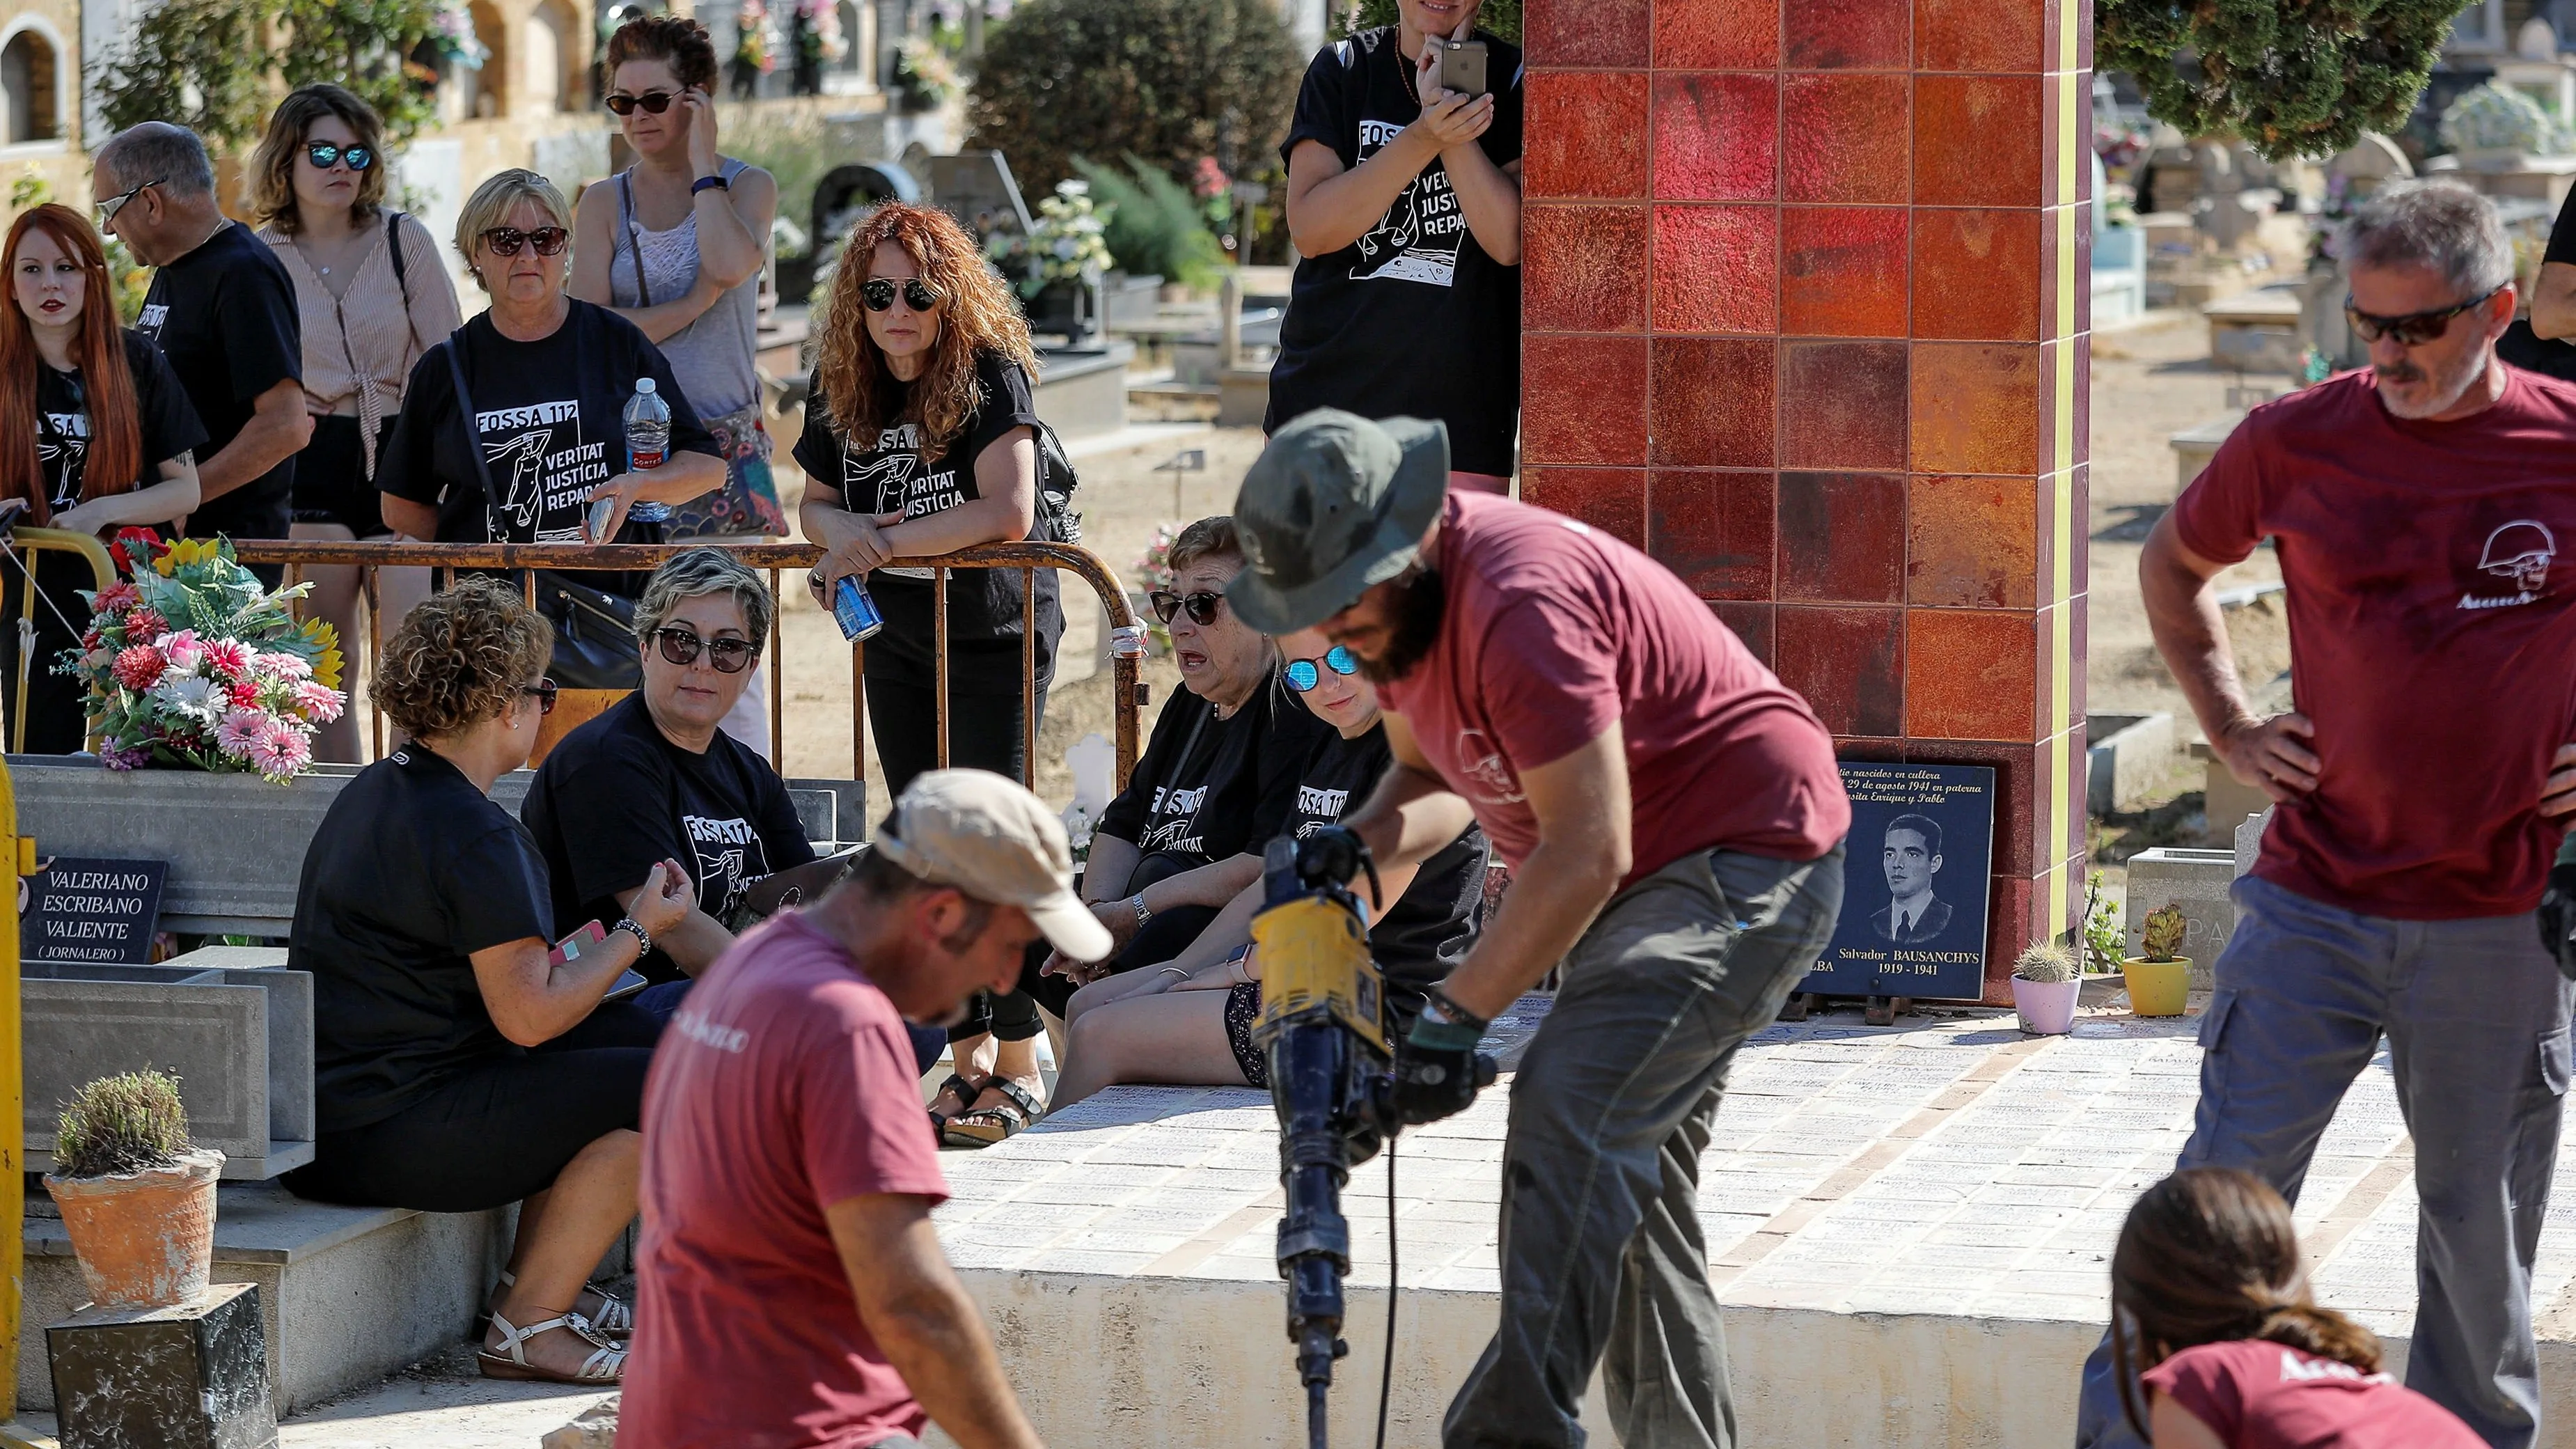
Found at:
<point>78,909</point>
<point>1914,883</point>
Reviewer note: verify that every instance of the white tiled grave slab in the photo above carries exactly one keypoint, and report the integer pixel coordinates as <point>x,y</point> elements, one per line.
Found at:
<point>1910,1227</point>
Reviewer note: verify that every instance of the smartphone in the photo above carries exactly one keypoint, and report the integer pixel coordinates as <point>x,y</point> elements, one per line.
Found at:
<point>627,985</point>
<point>590,937</point>
<point>1462,66</point>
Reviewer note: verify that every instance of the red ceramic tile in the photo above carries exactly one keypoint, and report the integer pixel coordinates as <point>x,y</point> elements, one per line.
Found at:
<point>1842,271</point>
<point>1594,33</point>
<point>1977,140</point>
<point>1752,623</point>
<point>2014,908</point>
<point>1970,674</point>
<point>1610,499</point>
<point>1717,269</point>
<point>1848,34</point>
<point>1975,408</point>
<point>1971,542</point>
<point>1978,274</point>
<point>1847,137</point>
<point>1713,34</point>
<point>1583,399</point>
<point>2021,829</point>
<point>1716,137</point>
<point>1583,268</point>
<point>1840,538</point>
<point>1981,35</point>
<point>1842,405</point>
<point>1847,664</point>
<point>1585,134</point>
<point>1711,403</point>
<point>1713,530</point>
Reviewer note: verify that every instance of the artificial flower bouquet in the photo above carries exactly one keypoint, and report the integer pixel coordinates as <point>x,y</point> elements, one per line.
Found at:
<point>191,663</point>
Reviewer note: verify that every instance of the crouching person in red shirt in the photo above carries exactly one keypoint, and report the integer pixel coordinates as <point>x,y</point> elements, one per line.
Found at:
<point>791,1289</point>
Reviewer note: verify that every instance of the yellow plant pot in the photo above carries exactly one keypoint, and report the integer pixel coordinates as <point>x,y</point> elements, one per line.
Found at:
<point>2157,988</point>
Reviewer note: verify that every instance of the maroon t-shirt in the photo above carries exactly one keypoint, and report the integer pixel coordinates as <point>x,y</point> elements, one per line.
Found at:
<point>1556,631</point>
<point>785,1085</point>
<point>2430,640</point>
<point>2258,1395</point>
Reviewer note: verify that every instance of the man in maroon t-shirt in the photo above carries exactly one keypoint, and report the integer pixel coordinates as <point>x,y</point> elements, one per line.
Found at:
<point>2417,508</point>
<point>791,1289</point>
<point>1674,820</point>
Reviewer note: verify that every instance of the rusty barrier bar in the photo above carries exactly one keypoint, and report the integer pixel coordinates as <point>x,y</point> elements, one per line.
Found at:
<point>1126,652</point>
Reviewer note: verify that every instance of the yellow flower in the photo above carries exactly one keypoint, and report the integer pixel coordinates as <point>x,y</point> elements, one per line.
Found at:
<point>185,552</point>
<point>327,660</point>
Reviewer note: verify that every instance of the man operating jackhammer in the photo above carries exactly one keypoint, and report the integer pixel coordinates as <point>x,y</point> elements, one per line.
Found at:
<point>1674,822</point>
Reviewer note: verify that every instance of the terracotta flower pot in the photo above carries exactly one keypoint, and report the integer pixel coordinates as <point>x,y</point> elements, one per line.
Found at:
<point>2158,988</point>
<point>2046,1008</point>
<point>144,1239</point>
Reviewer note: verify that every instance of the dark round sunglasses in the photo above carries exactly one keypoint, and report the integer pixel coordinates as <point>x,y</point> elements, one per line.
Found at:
<point>324,156</point>
<point>652,103</point>
<point>544,691</point>
<point>505,241</point>
<point>682,646</point>
<point>1202,606</point>
<point>878,293</point>
<point>2412,330</point>
<point>1302,675</point>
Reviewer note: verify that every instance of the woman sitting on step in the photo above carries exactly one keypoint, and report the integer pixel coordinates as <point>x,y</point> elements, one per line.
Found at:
<point>454,1064</point>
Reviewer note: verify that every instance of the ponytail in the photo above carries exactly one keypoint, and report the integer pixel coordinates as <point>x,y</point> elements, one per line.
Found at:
<point>2322,1333</point>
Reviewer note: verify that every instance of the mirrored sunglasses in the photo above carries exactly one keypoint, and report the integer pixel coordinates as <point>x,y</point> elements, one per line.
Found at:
<point>505,241</point>
<point>878,294</point>
<point>1302,675</point>
<point>324,156</point>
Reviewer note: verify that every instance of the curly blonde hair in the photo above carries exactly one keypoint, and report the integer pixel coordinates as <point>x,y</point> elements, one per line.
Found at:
<point>461,657</point>
<point>976,315</point>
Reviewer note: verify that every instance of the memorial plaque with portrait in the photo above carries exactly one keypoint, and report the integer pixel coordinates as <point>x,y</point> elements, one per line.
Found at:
<point>1915,874</point>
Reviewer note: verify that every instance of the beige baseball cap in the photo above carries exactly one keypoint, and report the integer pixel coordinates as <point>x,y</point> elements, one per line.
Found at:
<point>995,841</point>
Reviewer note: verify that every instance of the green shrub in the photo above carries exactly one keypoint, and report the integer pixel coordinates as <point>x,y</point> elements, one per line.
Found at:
<point>2292,80</point>
<point>1501,17</point>
<point>208,64</point>
<point>790,148</point>
<point>1155,225</point>
<point>1165,81</point>
<point>125,1123</point>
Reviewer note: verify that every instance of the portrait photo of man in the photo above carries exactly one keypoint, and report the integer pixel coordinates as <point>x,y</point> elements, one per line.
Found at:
<point>1911,858</point>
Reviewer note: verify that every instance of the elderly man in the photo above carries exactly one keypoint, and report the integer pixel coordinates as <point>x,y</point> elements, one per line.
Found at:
<point>1674,821</point>
<point>2417,509</point>
<point>791,1289</point>
<point>223,310</point>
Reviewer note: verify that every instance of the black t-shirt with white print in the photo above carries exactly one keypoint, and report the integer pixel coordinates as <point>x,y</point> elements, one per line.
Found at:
<point>616,797</point>
<point>1413,319</point>
<point>1209,788</point>
<point>225,316</point>
<point>1433,923</point>
<point>168,424</point>
<point>895,474</point>
<point>550,416</point>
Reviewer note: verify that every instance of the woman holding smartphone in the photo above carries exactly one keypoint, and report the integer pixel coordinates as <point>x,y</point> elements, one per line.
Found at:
<point>100,437</point>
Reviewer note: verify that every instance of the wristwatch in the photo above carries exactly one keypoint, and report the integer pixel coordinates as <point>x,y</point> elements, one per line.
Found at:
<point>1144,912</point>
<point>709,183</point>
<point>643,940</point>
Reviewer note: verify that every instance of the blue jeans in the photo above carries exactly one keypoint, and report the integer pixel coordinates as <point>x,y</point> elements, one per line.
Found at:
<point>2476,1018</point>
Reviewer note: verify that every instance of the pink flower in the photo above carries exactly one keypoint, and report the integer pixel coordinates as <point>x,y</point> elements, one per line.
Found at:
<point>227,659</point>
<point>145,624</point>
<point>279,667</point>
<point>118,596</point>
<point>183,650</point>
<point>317,702</point>
<point>241,732</point>
<point>138,666</point>
<point>280,750</point>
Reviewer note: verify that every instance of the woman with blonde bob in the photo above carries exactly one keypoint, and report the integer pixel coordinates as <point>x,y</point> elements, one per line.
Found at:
<point>920,439</point>
<point>460,1061</point>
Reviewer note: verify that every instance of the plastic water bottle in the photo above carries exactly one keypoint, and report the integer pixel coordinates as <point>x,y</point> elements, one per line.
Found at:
<point>648,443</point>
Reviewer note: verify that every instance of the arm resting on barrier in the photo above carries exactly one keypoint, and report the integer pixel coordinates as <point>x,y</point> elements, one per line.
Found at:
<point>175,496</point>
<point>929,1328</point>
<point>1006,480</point>
<point>415,521</point>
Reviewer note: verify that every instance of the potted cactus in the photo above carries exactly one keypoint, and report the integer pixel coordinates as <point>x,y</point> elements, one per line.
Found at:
<point>2045,982</point>
<point>2159,981</point>
<point>137,1200</point>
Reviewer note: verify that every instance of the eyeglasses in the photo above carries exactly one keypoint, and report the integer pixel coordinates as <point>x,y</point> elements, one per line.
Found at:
<point>653,103</point>
<point>505,241</point>
<point>2415,328</point>
<point>1302,675</point>
<point>108,209</point>
<point>878,293</point>
<point>324,156</point>
<point>729,656</point>
<point>1202,606</point>
<point>544,691</point>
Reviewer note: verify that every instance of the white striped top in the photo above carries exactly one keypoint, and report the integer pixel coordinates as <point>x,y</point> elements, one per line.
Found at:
<point>363,344</point>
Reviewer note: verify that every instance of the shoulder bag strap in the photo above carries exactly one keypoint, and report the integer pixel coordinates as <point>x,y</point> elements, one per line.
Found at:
<point>402,270</point>
<point>626,226</point>
<point>473,440</point>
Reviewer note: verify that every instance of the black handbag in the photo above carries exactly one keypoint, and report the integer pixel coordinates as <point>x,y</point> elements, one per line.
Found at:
<point>595,645</point>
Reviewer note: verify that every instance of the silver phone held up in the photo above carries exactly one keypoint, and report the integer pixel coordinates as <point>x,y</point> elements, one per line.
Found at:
<point>1462,66</point>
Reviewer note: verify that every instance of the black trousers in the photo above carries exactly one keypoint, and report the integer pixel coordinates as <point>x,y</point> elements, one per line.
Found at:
<point>57,716</point>
<point>1164,937</point>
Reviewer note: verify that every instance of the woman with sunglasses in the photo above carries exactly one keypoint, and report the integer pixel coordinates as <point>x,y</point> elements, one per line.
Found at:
<point>515,424</point>
<point>105,440</point>
<point>1189,1020</point>
<point>461,1059</point>
<point>373,298</point>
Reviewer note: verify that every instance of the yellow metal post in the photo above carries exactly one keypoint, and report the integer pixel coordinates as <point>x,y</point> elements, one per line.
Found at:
<point>13,1125</point>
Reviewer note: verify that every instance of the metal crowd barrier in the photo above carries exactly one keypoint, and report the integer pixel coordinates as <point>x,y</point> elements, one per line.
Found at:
<point>1127,650</point>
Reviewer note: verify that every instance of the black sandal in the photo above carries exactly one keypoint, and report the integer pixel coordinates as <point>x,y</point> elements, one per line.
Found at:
<point>987,1125</point>
<point>966,1092</point>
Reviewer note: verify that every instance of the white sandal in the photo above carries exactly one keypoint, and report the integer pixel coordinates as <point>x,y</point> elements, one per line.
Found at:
<point>615,1319</point>
<point>606,1364</point>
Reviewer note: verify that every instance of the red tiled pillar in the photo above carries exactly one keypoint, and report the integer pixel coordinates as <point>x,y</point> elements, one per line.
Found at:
<point>1805,297</point>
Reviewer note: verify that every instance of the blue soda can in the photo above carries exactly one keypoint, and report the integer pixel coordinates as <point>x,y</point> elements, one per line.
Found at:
<point>854,610</point>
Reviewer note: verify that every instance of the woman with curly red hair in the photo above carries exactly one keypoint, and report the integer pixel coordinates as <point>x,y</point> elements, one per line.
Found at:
<point>112,444</point>
<point>920,439</point>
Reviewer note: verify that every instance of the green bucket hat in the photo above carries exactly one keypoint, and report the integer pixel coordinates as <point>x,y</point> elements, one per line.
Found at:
<point>1334,504</point>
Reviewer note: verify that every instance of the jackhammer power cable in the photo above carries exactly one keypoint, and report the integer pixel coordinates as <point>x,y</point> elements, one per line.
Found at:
<point>1386,1374</point>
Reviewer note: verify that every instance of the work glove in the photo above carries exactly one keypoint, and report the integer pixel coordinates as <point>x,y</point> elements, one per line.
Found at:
<point>1437,1073</point>
<point>2558,913</point>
